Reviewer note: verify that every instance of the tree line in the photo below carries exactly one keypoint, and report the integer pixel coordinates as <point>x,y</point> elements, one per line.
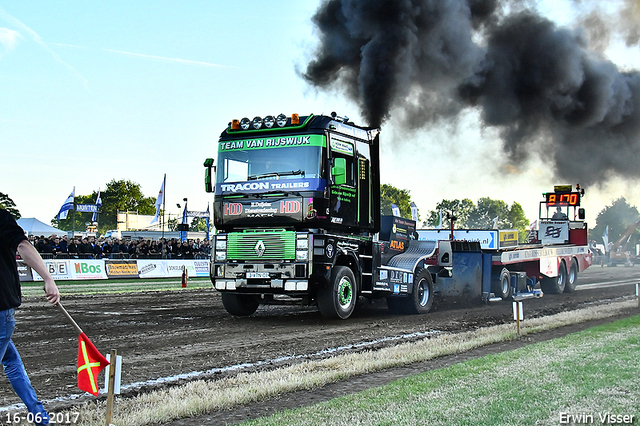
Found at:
<point>486,213</point>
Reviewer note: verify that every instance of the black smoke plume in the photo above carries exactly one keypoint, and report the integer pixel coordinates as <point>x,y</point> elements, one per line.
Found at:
<point>540,85</point>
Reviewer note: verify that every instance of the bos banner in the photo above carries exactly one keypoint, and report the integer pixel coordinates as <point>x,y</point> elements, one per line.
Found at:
<point>83,269</point>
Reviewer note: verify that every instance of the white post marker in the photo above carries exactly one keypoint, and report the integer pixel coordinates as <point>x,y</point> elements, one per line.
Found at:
<point>518,314</point>
<point>110,376</point>
<point>118,374</point>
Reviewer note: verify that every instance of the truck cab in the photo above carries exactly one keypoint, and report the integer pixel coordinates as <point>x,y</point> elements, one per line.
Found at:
<point>296,207</point>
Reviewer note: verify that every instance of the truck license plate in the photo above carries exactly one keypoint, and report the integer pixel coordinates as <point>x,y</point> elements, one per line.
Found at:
<point>257,275</point>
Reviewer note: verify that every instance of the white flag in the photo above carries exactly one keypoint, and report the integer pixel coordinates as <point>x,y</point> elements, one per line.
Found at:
<point>395,210</point>
<point>414,212</point>
<point>68,205</point>
<point>159,200</point>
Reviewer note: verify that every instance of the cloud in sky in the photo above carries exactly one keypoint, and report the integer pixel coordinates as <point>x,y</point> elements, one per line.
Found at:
<point>36,38</point>
<point>9,38</point>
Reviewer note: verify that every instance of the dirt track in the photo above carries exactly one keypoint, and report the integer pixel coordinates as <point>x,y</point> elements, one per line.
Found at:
<point>163,334</point>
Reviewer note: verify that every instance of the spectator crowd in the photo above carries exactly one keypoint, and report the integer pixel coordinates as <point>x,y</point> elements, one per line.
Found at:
<point>55,247</point>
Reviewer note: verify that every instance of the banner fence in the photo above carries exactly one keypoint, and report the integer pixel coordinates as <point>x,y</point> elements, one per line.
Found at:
<point>102,269</point>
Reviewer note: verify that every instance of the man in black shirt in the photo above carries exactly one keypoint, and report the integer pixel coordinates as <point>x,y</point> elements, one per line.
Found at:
<point>12,239</point>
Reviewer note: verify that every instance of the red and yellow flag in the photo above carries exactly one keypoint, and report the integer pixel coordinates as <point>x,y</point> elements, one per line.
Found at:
<point>90,363</point>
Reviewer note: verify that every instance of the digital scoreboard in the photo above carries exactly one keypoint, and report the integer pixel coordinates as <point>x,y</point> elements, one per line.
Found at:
<point>562,199</point>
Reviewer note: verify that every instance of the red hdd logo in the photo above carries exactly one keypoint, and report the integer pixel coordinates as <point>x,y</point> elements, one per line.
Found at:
<point>289,206</point>
<point>232,209</point>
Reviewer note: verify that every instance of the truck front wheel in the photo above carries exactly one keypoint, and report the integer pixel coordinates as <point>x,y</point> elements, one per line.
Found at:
<point>241,305</point>
<point>338,299</point>
<point>418,302</point>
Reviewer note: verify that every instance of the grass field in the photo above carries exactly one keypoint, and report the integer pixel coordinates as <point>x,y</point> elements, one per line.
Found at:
<point>34,289</point>
<point>591,377</point>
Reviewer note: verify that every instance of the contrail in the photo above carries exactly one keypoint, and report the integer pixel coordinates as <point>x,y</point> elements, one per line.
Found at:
<point>162,58</point>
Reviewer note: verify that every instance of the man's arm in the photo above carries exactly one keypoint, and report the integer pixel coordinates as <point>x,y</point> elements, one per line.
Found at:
<point>31,257</point>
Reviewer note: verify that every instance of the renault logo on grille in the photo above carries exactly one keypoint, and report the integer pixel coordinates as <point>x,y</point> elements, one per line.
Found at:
<point>259,248</point>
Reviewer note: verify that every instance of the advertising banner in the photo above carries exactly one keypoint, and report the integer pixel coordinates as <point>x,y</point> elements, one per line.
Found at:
<point>508,238</point>
<point>175,267</point>
<point>148,268</point>
<point>80,269</point>
<point>201,268</point>
<point>121,268</point>
<point>59,270</point>
<point>24,272</point>
<point>488,238</point>
<point>554,231</point>
<point>88,269</point>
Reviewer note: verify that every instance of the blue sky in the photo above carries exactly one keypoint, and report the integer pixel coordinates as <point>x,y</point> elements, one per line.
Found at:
<point>95,91</point>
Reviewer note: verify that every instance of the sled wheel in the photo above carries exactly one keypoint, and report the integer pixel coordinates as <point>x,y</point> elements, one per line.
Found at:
<point>418,302</point>
<point>572,277</point>
<point>557,284</point>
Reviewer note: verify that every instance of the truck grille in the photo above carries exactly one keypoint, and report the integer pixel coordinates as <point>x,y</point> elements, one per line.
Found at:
<point>261,246</point>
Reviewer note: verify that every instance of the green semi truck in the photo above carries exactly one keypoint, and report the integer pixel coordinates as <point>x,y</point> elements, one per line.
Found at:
<point>297,214</point>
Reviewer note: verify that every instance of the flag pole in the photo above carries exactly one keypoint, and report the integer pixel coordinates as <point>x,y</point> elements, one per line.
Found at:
<point>75,324</point>
<point>164,200</point>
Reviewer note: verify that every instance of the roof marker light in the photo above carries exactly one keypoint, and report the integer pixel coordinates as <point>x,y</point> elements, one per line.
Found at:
<point>257,122</point>
<point>235,124</point>
<point>281,120</point>
<point>245,123</point>
<point>295,119</point>
<point>269,121</point>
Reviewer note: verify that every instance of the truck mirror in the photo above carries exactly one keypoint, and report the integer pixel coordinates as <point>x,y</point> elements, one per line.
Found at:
<point>581,214</point>
<point>339,171</point>
<point>208,172</point>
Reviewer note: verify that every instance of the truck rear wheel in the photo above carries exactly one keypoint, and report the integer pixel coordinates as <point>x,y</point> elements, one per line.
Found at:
<point>338,299</point>
<point>557,284</point>
<point>241,305</point>
<point>418,302</point>
<point>572,277</point>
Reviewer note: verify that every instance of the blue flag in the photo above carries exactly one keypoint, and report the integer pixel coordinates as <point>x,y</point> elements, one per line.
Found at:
<point>68,205</point>
<point>99,204</point>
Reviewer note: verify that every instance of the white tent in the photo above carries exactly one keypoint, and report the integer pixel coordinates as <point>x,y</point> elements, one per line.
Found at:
<point>33,226</point>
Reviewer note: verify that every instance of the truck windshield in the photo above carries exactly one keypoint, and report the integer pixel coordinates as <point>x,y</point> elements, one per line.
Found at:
<point>276,163</point>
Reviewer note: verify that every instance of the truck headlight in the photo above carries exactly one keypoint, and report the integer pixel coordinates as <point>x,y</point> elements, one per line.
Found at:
<point>221,256</point>
<point>302,248</point>
<point>221,244</point>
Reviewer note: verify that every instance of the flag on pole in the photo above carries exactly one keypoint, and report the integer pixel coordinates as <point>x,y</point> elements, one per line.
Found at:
<point>68,205</point>
<point>208,219</point>
<point>90,363</point>
<point>414,212</point>
<point>183,234</point>
<point>438,225</point>
<point>159,201</point>
<point>395,210</point>
<point>605,238</point>
<point>98,204</point>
